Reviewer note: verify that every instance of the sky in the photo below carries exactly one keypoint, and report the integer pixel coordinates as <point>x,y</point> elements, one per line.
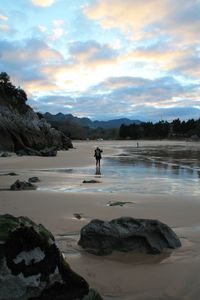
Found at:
<point>104,59</point>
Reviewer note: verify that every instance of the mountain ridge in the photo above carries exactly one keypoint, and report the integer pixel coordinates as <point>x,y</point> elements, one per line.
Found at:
<point>86,122</point>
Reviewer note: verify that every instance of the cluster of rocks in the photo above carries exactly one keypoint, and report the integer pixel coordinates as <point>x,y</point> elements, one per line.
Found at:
<point>24,185</point>
<point>33,268</point>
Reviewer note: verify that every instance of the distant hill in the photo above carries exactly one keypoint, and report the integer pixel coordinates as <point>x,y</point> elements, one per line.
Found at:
<point>86,122</point>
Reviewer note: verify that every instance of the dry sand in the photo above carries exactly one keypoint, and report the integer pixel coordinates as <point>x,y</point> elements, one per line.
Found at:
<point>172,275</point>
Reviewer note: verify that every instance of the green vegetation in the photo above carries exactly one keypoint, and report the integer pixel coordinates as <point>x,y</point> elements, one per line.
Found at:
<point>9,223</point>
<point>161,130</point>
<point>44,233</point>
<point>11,95</point>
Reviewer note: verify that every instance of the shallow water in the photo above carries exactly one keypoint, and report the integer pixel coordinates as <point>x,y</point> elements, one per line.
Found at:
<point>148,169</point>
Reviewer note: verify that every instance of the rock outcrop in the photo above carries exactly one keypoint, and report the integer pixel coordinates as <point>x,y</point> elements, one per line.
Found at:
<point>22,185</point>
<point>26,131</point>
<point>20,126</point>
<point>33,268</point>
<point>127,234</point>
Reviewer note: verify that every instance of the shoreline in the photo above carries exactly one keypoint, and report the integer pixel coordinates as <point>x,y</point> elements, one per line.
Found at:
<point>130,276</point>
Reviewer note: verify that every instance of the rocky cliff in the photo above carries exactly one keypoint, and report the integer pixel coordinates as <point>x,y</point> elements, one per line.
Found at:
<point>20,126</point>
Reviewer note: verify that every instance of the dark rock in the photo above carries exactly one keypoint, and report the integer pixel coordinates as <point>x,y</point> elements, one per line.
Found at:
<point>22,185</point>
<point>32,152</point>
<point>127,234</point>
<point>48,152</point>
<point>33,179</point>
<point>5,154</point>
<point>12,174</point>
<point>32,267</point>
<point>9,174</point>
<point>28,151</point>
<point>77,216</point>
<point>119,203</point>
<point>194,138</point>
<point>91,181</point>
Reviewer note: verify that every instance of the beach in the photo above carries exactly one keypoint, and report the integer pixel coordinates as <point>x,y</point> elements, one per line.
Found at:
<point>61,193</point>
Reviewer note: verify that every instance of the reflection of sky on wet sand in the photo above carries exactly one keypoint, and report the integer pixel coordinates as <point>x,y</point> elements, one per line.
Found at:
<point>166,169</point>
<point>150,170</point>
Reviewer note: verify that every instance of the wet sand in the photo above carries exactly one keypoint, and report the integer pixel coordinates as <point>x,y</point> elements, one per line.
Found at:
<point>172,275</point>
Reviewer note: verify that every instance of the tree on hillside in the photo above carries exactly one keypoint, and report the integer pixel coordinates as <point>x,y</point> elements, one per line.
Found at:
<point>16,94</point>
<point>161,129</point>
<point>123,132</point>
<point>4,78</point>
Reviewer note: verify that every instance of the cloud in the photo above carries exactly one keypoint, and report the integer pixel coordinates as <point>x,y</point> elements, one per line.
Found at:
<point>43,3</point>
<point>55,84</point>
<point>46,64</point>
<point>27,52</point>
<point>4,27</point>
<point>3,17</point>
<point>162,33</point>
<point>146,19</point>
<point>129,96</point>
<point>41,28</point>
<point>133,97</point>
<point>24,60</point>
<point>58,31</point>
<point>130,16</point>
<point>133,58</point>
<point>57,34</point>
<point>92,53</point>
<point>178,60</point>
<point>59,22</point>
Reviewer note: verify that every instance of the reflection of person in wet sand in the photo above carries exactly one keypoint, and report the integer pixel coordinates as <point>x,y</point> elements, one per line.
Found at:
<point>97,155</point>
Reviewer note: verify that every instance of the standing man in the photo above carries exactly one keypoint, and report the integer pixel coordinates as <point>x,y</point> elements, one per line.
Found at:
<point>97,155</point>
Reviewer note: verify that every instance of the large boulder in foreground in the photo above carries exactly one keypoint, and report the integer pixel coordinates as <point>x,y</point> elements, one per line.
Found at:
<point>127,234</point>
<point>32,267</point>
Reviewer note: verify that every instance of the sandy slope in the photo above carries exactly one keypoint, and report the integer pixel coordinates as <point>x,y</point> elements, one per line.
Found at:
<point>172,275</point>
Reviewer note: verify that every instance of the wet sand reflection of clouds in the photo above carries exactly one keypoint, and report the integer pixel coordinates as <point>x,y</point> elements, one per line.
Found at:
<point>149,169</point>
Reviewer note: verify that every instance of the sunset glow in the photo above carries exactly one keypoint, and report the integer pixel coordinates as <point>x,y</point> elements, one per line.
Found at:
<point>104,59</point>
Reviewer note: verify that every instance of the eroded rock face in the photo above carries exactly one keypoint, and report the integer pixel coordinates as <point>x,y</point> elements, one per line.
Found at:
<point>127,234</point>
<point>31,265</point>
<point>24,130</point>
